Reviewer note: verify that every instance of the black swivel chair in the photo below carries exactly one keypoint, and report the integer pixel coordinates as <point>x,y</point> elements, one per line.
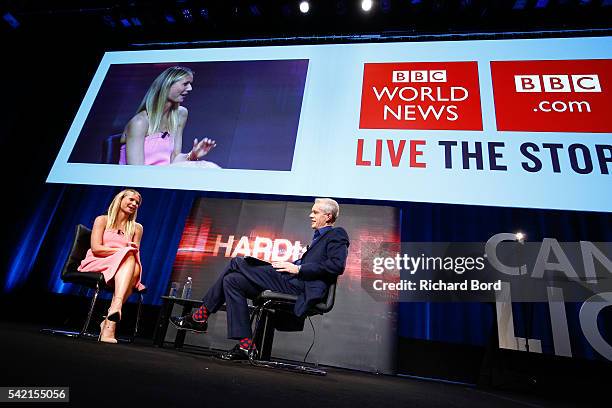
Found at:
<point>92,280</point>
<point>274,309</point>
<point>111,147</point>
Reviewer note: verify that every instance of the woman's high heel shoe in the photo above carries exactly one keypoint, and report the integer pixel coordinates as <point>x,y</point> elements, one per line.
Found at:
<point>115,315</point>
<point>105,328</point>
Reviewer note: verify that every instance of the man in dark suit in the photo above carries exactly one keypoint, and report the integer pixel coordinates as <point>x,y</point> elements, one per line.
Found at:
<point>308,278</point>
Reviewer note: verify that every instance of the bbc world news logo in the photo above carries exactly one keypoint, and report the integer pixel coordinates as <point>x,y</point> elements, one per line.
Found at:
<point>551,96</point>
<point>421,95</point>
<point>419,76</point>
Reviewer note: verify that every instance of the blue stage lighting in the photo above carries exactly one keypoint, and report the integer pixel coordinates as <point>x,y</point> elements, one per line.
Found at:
<point>187,15</point>
<point>109,21</point>
<point>125,22</point>
<point>519,5</point>
<point>11,20</point>
<point>541,3</point>
<point>170,19</point>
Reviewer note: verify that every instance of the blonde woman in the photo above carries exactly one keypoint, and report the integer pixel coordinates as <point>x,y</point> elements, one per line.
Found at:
<point>154,136</point>
<point>114,252</point>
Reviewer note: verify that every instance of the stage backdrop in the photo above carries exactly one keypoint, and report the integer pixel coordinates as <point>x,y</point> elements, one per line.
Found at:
<point>358,333</point>
<point>521,123</point>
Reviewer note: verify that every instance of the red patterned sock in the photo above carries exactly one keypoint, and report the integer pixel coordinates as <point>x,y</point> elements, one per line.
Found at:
<point>200,315</point>
<point>245,343</point>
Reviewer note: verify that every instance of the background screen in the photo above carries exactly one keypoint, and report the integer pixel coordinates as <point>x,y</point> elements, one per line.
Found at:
<point>520,123</point>
<point>359,332</point>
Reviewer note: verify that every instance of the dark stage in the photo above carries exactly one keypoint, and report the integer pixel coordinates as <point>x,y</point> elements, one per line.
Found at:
<point>100,374</point>
<point>398,180</point>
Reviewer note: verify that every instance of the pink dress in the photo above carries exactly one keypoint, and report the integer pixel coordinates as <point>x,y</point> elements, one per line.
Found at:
<point>108,265</point>
<point>157,149</point>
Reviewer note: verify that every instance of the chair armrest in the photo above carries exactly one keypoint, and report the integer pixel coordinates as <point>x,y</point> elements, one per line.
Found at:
<point>271,295</point>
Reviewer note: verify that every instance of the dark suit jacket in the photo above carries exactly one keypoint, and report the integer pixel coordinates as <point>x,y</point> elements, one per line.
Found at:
<point>320,266</point>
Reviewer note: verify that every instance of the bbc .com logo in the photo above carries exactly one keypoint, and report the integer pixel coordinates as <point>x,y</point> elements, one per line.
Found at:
<point>566,84</point>
<point>553,95</point>
<point>557,83</point>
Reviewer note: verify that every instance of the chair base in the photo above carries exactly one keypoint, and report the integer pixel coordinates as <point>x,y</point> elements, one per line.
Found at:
<point>296,368</point>
<point>67,333</point>
<point>76,335</point>
<point>264,336</point>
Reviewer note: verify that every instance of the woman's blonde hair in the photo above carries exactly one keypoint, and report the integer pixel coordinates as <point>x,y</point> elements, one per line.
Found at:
<point>156,97</point>
<point>113,210</point>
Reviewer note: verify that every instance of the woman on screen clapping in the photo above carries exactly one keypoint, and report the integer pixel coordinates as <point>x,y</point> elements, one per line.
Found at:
<point>114,252</point>
<point>154,136</point>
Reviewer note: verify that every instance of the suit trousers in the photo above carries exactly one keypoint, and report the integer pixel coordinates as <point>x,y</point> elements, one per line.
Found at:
<point>240,281</point>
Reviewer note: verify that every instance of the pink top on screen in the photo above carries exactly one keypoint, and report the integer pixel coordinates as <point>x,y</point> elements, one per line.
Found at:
<point>158,149</point>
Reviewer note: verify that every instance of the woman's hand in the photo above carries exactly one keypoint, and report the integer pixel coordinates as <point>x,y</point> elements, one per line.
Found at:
<point>201,149</point>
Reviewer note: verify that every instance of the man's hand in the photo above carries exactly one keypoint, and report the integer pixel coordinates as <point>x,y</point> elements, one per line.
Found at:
<point>285,267</point>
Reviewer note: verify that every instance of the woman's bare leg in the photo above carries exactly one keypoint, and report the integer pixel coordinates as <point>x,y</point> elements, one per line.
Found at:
<point>136,275</point>
<point>123,285</point>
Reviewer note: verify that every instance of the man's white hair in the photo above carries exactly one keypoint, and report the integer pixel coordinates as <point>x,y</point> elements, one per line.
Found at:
<point>329,206</point>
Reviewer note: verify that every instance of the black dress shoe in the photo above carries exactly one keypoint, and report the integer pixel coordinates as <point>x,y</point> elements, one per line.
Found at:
<point>234,354</point>
<point>187,323</point>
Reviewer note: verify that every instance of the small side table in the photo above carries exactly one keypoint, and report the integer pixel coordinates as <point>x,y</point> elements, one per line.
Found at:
<point>163,319</point>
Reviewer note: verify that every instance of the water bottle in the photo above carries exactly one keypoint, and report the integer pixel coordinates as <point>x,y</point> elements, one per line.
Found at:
<point>187,288</point>
<point>174,289</point>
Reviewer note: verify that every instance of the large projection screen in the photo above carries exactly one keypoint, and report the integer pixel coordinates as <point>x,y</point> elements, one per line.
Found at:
<point>519,123</point>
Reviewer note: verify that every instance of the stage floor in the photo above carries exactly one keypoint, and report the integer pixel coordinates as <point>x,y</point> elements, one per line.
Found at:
<point>116,375</point>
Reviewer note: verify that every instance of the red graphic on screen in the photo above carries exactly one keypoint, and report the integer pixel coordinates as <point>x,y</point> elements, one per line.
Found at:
<point>421,95</point>
<point>199,241</point>
<point>553,96</point>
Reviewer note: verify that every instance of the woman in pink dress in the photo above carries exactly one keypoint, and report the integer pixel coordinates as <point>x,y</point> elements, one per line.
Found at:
<point>154,136</point>
<point>115,243</point>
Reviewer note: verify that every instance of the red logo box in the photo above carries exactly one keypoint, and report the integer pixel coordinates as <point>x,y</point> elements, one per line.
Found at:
<point>421,95</point>
<point>553,96</point>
